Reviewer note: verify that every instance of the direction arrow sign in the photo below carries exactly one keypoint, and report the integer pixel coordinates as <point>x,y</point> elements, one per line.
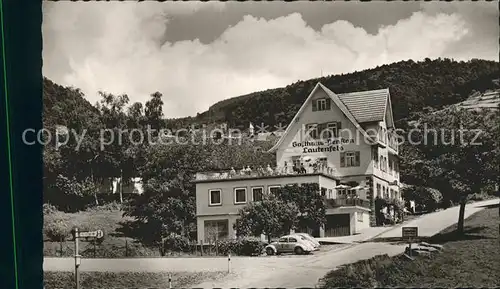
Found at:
<point>92,234</point>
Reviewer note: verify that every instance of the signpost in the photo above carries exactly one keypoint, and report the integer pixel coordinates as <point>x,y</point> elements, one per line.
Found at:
<point>76,236</point>
<point>409,233</point>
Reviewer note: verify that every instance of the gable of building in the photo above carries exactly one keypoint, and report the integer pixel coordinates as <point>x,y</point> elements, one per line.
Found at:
<point>354,100</point>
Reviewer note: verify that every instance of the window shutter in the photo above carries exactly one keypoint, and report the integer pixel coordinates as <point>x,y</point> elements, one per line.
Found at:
<point>342,159</point>
<point>315,105</point>
<point>328,104</point>
<point>339,127</point>
<point>358,159</point>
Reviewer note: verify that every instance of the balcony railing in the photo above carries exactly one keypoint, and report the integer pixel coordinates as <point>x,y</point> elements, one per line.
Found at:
<point>264,172</point>
<point>346,202</point>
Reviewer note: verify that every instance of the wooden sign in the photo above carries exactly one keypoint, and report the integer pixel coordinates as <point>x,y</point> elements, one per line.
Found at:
<point>410,232</point>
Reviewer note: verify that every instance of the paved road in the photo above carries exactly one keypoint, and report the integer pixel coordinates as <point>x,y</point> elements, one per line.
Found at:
<point>189,264</point>
<point>282,271</point>
<point>431,224</point>
<point>307,272</point>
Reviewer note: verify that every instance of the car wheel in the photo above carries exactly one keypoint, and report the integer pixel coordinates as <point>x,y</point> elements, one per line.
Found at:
<point>269,252</point>
<point>299,251</point>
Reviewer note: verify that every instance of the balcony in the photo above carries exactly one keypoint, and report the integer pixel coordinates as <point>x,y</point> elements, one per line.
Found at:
<point>346,202</point>
<point>264,172</point>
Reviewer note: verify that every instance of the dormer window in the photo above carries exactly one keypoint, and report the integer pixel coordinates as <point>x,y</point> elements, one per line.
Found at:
<point>321,104</point>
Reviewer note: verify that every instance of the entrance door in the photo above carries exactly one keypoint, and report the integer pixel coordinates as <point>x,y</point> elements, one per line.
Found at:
<point>338,225</point>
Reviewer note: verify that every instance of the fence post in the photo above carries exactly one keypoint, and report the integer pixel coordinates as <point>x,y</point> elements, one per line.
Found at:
<point>201,247</point>
<point>126,247</point>
<point>169,281</point>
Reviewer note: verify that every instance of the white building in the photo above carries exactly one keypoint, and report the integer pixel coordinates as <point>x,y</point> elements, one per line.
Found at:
<point>345,143</point>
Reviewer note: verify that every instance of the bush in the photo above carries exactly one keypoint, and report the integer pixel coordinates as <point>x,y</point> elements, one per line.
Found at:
<point>56,227</point>
<point>426,197</point>
<point>49,209</point>
<point>243,246</point>
<point>363,273</point>
<point>176,243</point>
<point>250,246</point>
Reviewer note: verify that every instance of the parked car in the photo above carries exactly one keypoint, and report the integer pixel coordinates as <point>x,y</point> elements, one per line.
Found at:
<point>310,238</point>
<point>290,244</point>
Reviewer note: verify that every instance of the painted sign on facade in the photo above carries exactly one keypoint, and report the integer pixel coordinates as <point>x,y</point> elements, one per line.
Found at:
<point>331,145</point>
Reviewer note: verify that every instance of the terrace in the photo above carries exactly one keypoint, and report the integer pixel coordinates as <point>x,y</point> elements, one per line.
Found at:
<point>265,172</point>
<point>346,202</point>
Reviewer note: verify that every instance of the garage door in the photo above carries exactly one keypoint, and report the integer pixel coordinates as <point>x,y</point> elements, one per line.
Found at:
<point>337,225</point>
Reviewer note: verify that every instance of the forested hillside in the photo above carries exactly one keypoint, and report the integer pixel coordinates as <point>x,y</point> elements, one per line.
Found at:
<point>413,86</point>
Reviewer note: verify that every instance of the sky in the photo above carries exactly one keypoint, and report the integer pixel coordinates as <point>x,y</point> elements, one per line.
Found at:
<point>199,53</point>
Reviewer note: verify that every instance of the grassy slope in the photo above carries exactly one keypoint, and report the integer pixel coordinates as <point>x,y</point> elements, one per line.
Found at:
<point>468,261</point>
<point>106,219</point>
<point>107,280</point>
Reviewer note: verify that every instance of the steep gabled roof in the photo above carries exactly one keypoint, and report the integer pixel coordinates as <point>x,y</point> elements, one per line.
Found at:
<point>366,106</point>
<point>338,102</point>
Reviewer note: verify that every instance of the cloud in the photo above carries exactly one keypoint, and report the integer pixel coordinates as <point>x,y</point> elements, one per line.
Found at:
<point>118,48</point>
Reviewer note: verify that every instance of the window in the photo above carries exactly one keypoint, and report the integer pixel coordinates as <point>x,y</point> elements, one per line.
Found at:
<point>282,240</point>
<point>375,157</point>
<point>332,129</point>
<point>296,161</point>
<point>273,189</point>
<point>379,188</point>
<point>360,216</point>
<point>257,194</point>
<point>323,192</point>
<point>292,240</point>
<point>240,195</point>
<point>328,131</point>
<point>216,230</point>
<point>350,159</point>
<point>215,197</point>
<point>330,194</point>
<point>321,104</point>
<point>312,130</point>
<point>382,163</point>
